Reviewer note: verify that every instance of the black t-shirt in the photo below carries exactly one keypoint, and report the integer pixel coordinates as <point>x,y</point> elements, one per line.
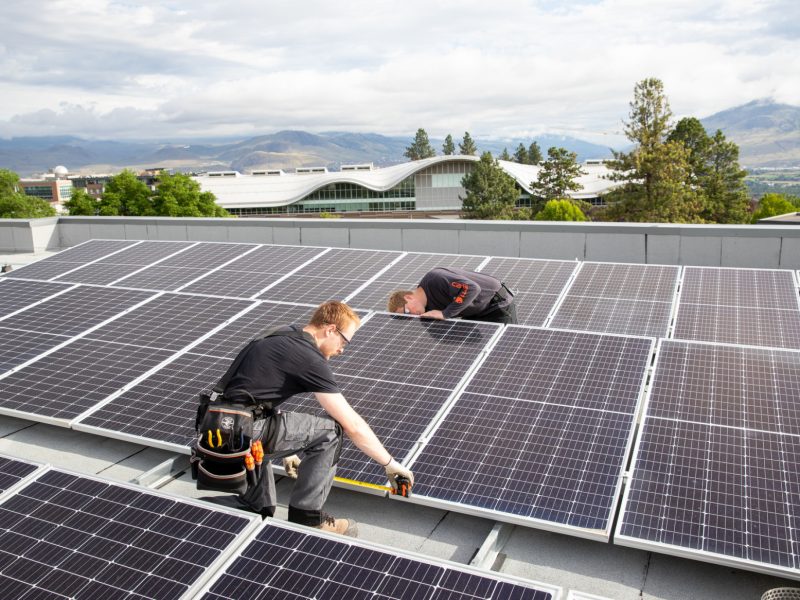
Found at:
<point>458,292</point>
<point>278,367</point>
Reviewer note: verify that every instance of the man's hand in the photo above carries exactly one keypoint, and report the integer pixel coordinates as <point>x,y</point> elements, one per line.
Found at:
<point>290,465</point>
<point>432,314</point>
<point>394,468</point>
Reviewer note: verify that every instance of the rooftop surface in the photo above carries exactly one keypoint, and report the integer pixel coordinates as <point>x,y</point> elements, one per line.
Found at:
<point>592,568</point>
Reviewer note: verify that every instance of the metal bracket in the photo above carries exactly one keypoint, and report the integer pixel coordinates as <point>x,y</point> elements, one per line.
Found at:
<point>163,473</point>
<point>492,546</point>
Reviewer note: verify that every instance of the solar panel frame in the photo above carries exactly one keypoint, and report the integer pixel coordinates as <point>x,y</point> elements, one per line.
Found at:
<point>530,521</point>
<point>18,294</point>
<point>70,259</point>
<point>381,571</point>
<point>701,433</point>
<point>16,472</point>
<point>81,534</point>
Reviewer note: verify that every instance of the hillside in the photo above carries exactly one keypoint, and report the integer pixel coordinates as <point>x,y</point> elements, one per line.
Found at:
<point>768,134</point>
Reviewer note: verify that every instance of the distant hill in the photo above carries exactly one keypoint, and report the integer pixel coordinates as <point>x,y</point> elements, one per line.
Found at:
<point>282,150</point>
<point>768,134</point>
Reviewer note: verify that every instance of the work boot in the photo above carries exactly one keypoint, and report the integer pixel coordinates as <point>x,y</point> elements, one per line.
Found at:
<point>340,526</point>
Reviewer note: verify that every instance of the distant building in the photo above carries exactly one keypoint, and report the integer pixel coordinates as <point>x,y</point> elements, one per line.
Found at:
<point>431,184</point>
<point>54,187</point>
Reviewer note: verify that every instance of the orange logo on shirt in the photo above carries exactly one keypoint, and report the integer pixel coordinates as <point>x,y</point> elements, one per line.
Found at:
<point>462,294</point>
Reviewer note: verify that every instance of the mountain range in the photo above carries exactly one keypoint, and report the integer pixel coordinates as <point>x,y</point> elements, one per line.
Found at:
<point>767,133</point>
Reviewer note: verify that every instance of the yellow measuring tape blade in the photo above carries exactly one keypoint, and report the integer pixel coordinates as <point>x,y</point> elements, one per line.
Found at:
<point>374,486</point>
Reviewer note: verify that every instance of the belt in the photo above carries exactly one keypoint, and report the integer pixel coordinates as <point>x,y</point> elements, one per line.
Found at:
<point>502,295</point>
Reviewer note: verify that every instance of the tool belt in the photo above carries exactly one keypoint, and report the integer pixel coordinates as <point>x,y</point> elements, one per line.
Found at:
<point>224,456</point>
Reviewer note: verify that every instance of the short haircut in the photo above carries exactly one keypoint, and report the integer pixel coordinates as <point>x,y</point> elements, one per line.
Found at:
<point>397,300</point>
<point>336,313</point>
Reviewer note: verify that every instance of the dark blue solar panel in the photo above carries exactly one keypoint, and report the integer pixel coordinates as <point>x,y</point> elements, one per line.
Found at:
<point>13,471</point>
<point>84,538</point>
<point>15,295</point>
<point>541,430</point>
<point>69,259</point>
<point>17,347</point>
<point>286,563</point>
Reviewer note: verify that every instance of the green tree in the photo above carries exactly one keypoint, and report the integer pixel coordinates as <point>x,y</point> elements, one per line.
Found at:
<point>449,148</point>
<point>467,146</point>
<point>505,155</point>
<point>691,133</point>
<point>557,175</point>
<point>14,204</point>
<point>491,192</point>
<point>180,196</point>
<point>562,209</point>
<point>81,204</point>
<point>521,155</point>
<point>534,154</point>
<point>772,205</point>
<point>125,196</point>
<point>656,175</point>
<point>420,148</point>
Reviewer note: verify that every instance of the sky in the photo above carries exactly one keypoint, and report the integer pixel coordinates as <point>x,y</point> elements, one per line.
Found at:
<point>510,69</point>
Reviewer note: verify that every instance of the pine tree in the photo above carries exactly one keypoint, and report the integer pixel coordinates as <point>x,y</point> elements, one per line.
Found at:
<point>467,146</point>
<point>420,148</point>
<point>505,155</point>
<point>557,175</point>
<point>449,148</point>
<point>521,155</point>
<point>491,192</point>
<point>534,154</point>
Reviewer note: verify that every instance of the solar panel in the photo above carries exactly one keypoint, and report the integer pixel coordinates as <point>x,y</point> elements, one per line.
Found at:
<point>184,267</point>
<point>540,434</point>
<point>619,298</point>
<point>17,346</point>
<point>13,471</point>
<point>284,561</point>
<point>335,275</point>
<point>406,274</point>
<point>715,472</point>
<point>171,321</point>
<point>15,295</point>
<point>123,263</point>
<point>160,410</point>
<point>398,373</point>
<point>69,259</point>
<point>65,535</point>
<point>75,310</point>
<point>248,275</point>
<point>739,306</point>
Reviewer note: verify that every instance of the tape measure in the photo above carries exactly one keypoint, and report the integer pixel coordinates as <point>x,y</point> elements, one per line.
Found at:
<point>403,489</point>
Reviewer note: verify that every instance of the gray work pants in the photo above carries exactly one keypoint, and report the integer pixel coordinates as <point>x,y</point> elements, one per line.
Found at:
<point>319,440</point>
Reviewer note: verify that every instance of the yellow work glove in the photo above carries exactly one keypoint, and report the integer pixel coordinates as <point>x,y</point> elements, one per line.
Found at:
<point>290,465</point>
<point>394,468</point>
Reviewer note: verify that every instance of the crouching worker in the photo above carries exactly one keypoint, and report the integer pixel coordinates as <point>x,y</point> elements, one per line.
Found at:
<point>287,361</point>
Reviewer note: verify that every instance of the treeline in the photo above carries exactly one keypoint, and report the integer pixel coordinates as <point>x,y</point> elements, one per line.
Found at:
<point>675,173</point>
<point>124,196</point>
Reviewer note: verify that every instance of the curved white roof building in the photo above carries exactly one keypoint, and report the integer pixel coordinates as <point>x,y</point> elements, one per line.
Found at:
<point>428,184</point>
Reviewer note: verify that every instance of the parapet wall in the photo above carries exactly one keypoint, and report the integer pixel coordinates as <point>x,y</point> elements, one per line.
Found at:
<point>764,246</point>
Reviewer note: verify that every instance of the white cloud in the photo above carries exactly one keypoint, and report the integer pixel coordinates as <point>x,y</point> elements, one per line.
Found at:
<point>115,69</point>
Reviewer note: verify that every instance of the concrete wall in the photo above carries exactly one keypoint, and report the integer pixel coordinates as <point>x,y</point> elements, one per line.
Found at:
<point>765,246</point>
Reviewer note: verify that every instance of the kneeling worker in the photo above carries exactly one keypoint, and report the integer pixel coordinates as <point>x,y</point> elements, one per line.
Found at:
<point>291,361</point>
<point>447,292</point>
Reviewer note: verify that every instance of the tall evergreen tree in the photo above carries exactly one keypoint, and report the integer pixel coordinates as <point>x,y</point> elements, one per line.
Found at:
<point>420,148</point>
<point>449,148</point>
<point>506,156</point>
<point>534,154</point>
<point>656,174</point>
<point>521,155</point>
<point>557,175</point>
<point>491,192</point>
<point>467,146</point>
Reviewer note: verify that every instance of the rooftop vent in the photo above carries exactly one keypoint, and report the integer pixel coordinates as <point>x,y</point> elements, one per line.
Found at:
<point>362,167</point>
<point>309,170</point>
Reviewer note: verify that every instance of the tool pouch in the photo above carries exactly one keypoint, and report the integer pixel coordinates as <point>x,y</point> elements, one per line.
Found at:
<point>224,438</point>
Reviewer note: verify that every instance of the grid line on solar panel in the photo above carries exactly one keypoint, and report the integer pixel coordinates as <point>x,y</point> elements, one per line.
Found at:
<point>633,317</point>
<point>81,537</point>
<point>250,274</point>
<point>779,328</point>
<point>287,563</point>
<point>18,294</point>
<point>75,311</point>
<point>74,378</point>
<point>335,274</point>
<point>540,432</point>
<point>733,386</point>
<point>656,283</point>
<point>722,494</point>
<point>531,275</point>
<point>13,471</point>
<point>751,288</point>
<point>170,321</point>
<point>17,347</point>
<point>405,274</point>
<point>69,259</point>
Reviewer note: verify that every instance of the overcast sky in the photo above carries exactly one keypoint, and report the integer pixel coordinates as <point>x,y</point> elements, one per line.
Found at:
<point>179,69</point>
